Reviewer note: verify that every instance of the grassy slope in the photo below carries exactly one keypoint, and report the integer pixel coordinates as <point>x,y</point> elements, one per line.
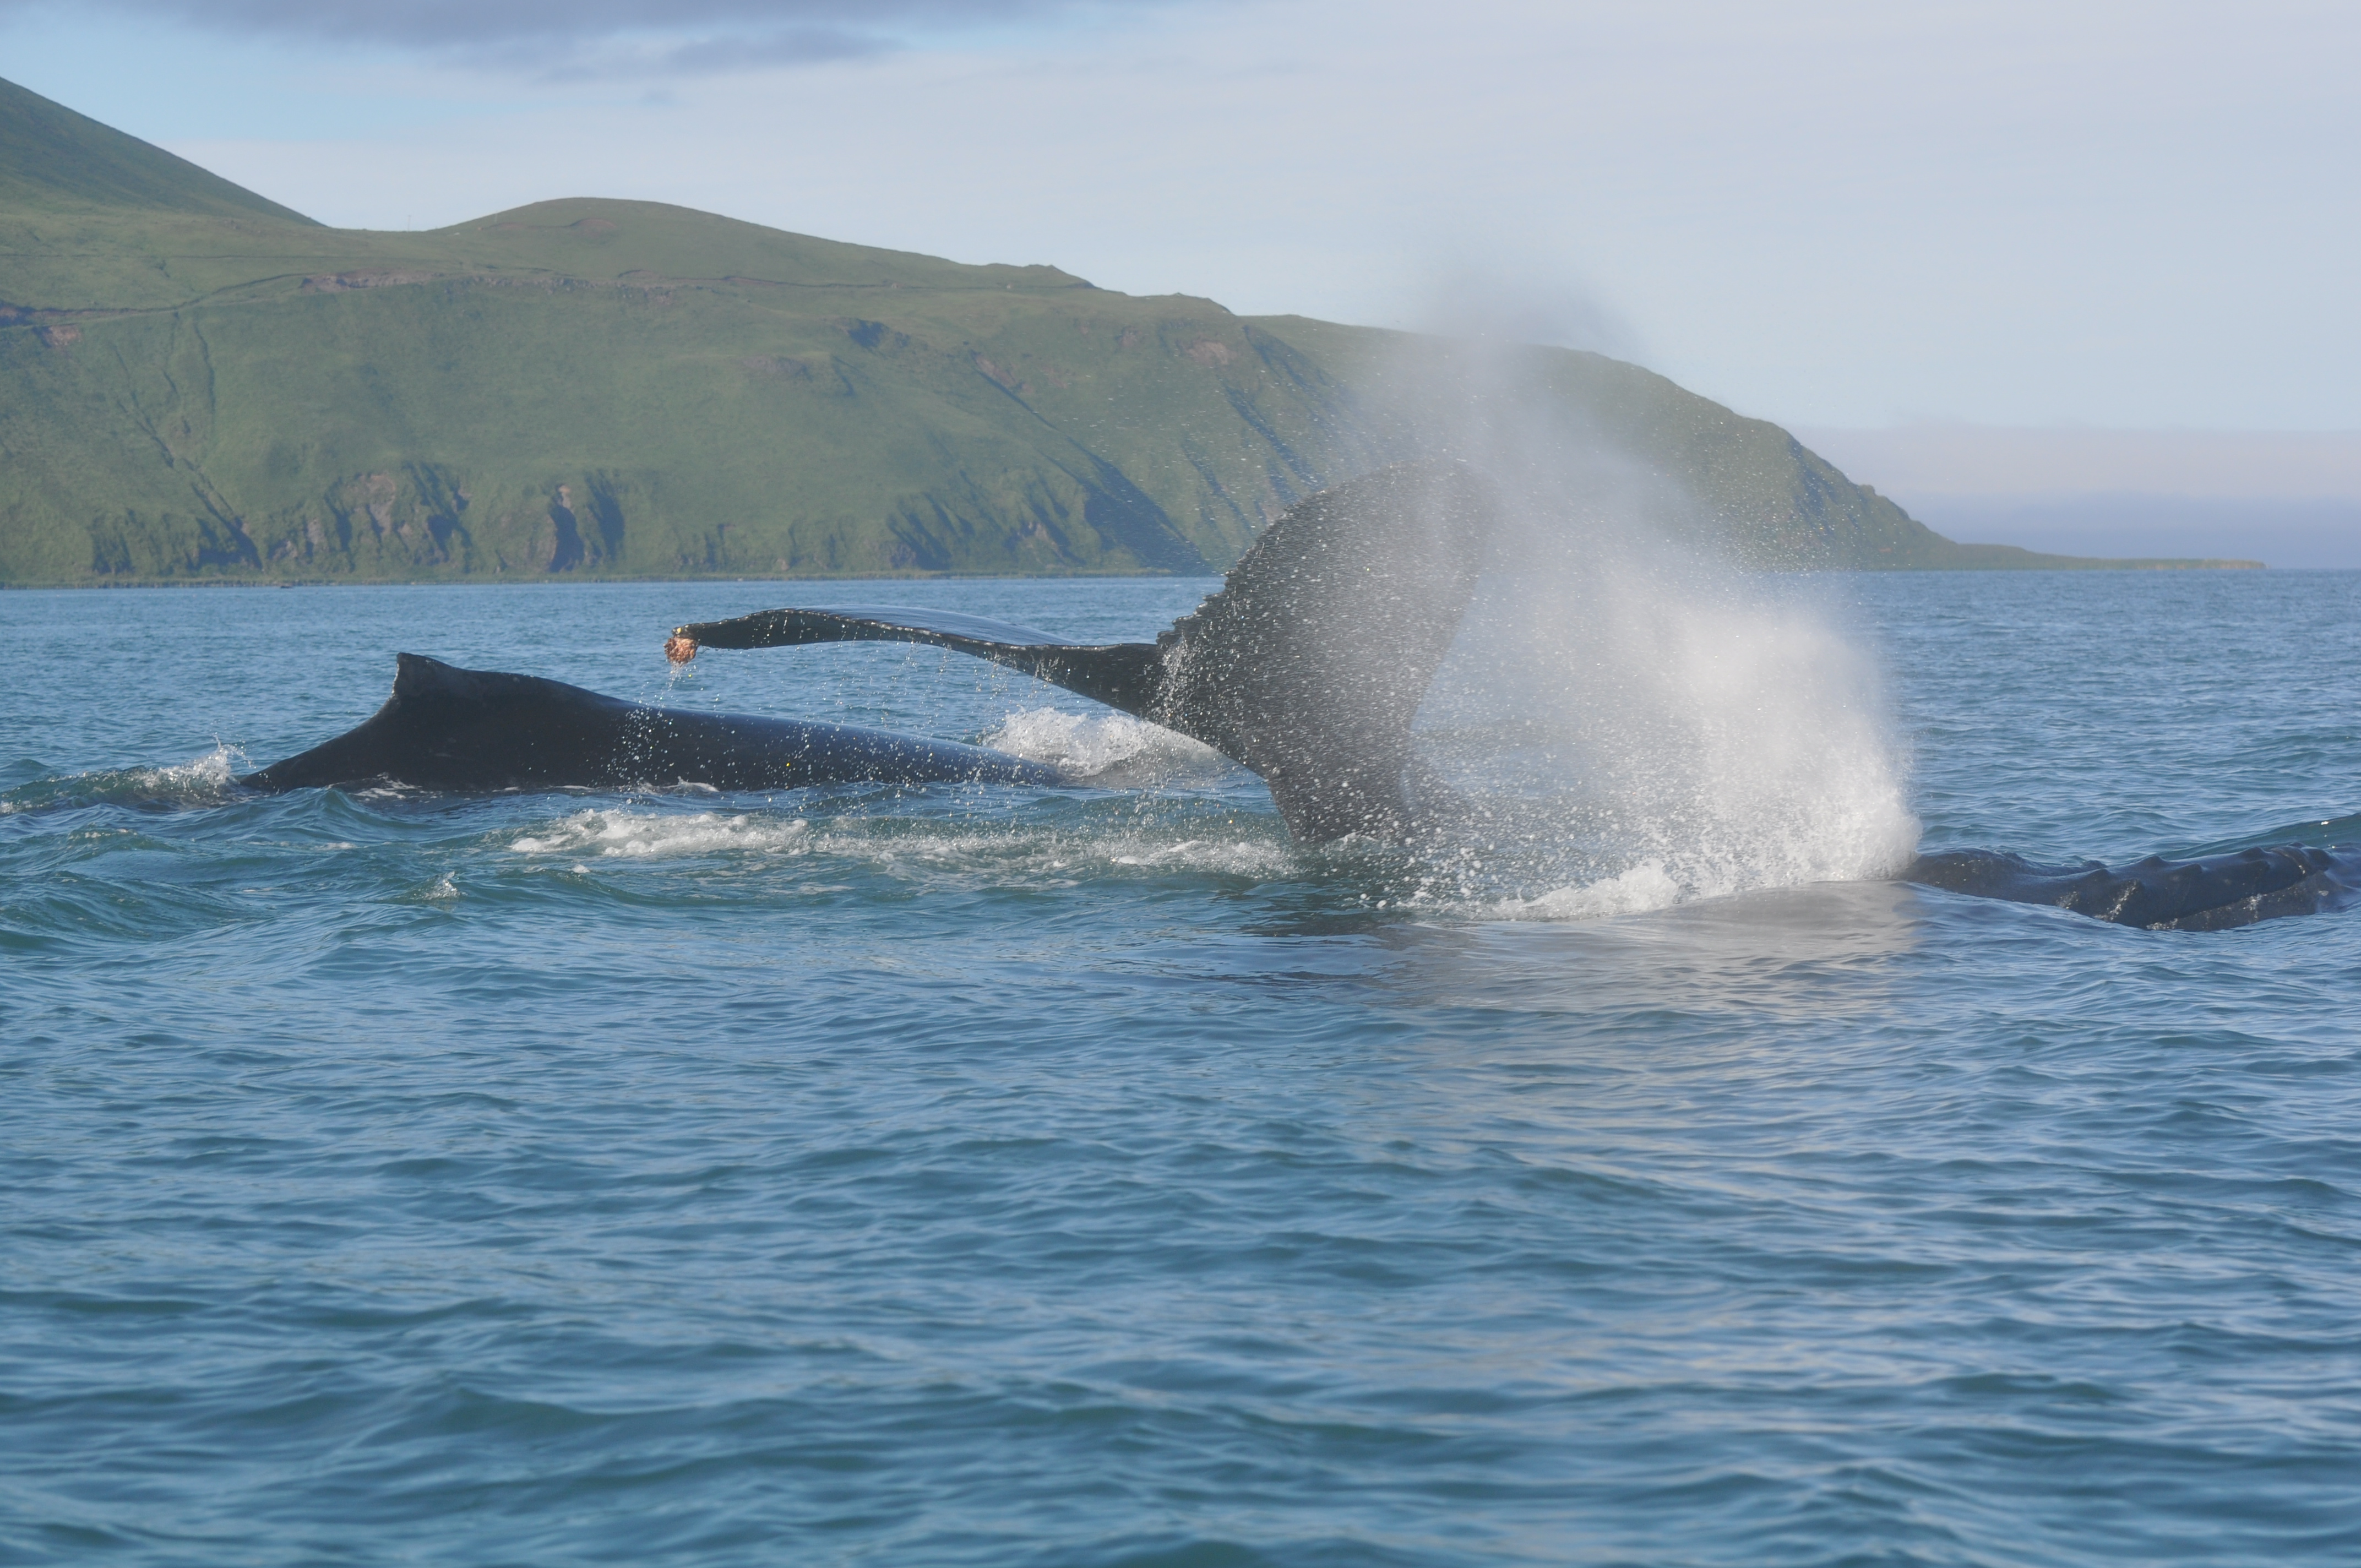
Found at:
<point>1013,420</point>
<point>57,159</point>
<point>202,384</point>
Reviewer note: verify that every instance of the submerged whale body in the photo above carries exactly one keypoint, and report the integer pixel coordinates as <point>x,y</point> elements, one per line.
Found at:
<point>2212,893</point>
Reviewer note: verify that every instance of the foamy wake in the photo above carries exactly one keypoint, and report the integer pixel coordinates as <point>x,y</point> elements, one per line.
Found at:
<point>1011,853</point>
<point>1110,748</point>
<point>651,836</point>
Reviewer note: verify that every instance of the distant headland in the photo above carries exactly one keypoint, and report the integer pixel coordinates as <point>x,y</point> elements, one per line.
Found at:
<point>202,385</point>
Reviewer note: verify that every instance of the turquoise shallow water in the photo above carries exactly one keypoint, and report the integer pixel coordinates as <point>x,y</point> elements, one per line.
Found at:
<point>1088,1177</point>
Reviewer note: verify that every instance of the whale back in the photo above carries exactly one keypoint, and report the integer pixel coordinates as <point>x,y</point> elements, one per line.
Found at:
<point>449,729</point>
<point>2206,893</point>
<point>446,728</point>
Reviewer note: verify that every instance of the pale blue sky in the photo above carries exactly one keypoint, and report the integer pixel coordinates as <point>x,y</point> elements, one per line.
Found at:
<point>1842,216</point>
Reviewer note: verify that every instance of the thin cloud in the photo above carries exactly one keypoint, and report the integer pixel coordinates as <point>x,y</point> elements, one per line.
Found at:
<point>678,35</point>
<point>712,54</point>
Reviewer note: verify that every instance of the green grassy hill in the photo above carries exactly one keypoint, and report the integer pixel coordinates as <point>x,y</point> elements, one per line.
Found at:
<point>197,383</point>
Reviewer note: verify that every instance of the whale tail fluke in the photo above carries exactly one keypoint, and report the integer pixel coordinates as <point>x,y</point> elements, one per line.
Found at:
<point>1310,663</point>
<point>1307,666</point>
<point>1122,675</point>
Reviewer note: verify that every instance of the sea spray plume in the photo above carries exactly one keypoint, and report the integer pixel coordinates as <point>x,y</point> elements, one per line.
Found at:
<point>1632,718</point>
<point>1624,703</point>
<point>1606,712</point>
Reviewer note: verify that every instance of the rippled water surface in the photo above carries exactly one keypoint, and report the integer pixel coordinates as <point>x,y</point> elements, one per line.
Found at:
<point>1089,1175</point>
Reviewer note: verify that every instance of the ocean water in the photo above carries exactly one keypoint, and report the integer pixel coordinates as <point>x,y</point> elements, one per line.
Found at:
<point>1090,1176</point>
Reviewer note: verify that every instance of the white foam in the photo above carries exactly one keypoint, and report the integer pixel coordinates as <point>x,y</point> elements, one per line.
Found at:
<point>652,835</point>
<point>1017,854</point>
<point>1244,858</point>
<point>1158,857</point>
<point>1005,854</point>
<point>1635,892</point>
<point>1113,749</point>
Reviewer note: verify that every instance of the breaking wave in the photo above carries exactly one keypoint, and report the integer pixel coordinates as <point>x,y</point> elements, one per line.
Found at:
<point>209,780</point>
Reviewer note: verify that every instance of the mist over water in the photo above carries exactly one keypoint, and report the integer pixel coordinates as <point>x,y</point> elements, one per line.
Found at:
<point>1630,720</point>
<point>1650,736</point>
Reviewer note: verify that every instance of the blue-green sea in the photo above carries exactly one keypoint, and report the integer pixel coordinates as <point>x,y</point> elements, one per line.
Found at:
<point>1089,1175</point>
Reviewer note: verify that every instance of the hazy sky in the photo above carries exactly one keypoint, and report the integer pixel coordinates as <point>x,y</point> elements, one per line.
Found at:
<point>2018,213</point>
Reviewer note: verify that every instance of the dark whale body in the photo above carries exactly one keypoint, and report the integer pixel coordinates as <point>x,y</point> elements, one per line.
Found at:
<point>2212,893</point>
<point>449,728</point>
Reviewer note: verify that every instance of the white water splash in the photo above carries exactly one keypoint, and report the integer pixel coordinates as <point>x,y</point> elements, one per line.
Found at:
<point>1671,741</point>
<point>198,780</point>
<point>1114,749</point>
<point>1633,720</point>
<point>208,780</point>
<point>1635,892</point>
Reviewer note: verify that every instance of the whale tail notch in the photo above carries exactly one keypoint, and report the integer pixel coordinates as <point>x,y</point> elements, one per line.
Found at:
<point>1307,666</point>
